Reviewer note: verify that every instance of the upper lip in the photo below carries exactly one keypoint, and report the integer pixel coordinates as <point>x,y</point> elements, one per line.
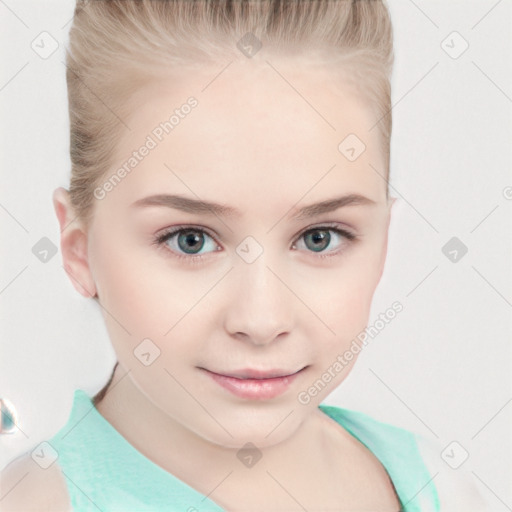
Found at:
<point>250,373</point>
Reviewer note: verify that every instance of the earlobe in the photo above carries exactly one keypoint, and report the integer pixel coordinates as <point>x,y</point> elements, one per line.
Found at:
<point>73,244</point>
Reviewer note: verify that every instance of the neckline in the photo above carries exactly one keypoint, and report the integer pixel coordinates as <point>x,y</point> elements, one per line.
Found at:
<point>83,405</point>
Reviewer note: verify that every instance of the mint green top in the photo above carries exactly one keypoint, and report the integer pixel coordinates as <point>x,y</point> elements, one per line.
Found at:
<point>104,472</point>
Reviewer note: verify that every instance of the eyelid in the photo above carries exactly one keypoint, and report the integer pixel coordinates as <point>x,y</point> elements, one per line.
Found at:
<point>339,225</point>
<point>175,229</point>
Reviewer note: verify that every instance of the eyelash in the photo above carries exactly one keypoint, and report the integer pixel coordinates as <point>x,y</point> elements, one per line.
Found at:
<point>160,240</point>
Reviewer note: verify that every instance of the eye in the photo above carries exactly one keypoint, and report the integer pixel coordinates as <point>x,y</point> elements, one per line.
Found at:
<point>319,238</point>
<point>187,242</point>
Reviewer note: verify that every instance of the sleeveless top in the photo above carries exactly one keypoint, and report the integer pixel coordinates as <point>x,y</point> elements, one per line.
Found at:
<point>104,472</point>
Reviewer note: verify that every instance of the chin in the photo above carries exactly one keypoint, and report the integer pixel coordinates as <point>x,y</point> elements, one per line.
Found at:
<point>266,429</point>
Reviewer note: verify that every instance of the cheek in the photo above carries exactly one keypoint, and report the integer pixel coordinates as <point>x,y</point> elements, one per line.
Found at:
<point>345,308</point>
<point>122,282</point>
<point>345,303</point>
<point>345,294</point>
<point>155,301</point>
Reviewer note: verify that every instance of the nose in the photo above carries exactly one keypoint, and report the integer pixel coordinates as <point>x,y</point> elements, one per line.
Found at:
<point>261,306</point>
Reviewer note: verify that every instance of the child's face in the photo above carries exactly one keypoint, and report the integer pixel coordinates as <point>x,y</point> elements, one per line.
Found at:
<point>264,142</point>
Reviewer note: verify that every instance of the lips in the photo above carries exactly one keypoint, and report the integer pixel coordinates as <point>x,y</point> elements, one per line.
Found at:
<point>252,384</point>
<point>249,373</point>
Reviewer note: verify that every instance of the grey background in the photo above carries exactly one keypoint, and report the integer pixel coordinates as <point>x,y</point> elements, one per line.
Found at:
<point>441,368</point>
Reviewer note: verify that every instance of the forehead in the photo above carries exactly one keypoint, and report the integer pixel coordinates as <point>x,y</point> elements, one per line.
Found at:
<point>267,127</point>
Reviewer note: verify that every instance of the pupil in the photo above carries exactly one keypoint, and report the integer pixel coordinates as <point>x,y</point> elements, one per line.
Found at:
<point>189,239</point>
<point>319,236</point>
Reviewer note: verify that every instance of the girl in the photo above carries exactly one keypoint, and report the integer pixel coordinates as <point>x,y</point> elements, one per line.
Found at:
<point>258,131</point>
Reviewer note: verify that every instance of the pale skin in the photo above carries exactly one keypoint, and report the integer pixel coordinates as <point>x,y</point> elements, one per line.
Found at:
<point>255,145</point>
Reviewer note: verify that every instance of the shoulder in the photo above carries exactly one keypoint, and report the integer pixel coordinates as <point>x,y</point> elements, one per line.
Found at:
<point>28,487</point>
<point>397,450</point>
<point>456,485</point>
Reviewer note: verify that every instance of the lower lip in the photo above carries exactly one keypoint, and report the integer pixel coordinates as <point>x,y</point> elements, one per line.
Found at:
<point>254,389</point>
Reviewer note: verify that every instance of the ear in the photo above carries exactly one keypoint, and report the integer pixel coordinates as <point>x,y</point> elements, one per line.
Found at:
<point>73,244</point>
<point>384,252</point>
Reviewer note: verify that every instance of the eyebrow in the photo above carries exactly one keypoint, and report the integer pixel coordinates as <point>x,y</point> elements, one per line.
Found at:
<point>196,206</point>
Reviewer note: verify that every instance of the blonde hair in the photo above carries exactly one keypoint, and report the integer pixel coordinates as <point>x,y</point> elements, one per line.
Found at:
<point>117,46</point>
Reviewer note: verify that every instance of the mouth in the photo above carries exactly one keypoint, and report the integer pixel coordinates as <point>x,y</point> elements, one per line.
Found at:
<point>255,384</point>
